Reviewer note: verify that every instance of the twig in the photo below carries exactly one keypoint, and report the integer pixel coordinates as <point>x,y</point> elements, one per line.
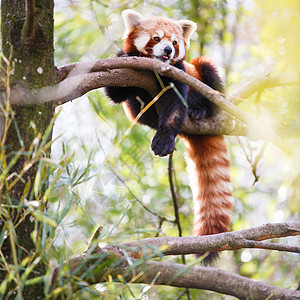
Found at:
<point>174,197</point>
<point>160,223</point>
<point>161,219</point>
<point>256,161</point>
<point>250,158</point>
<point>269,246</point>
<point>176,208</point>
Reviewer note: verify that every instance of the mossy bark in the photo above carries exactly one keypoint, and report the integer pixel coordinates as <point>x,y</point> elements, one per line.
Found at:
<point>27,42</point>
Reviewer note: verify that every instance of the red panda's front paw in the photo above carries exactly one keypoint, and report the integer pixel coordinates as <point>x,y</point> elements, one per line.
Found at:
<point>163,143</point>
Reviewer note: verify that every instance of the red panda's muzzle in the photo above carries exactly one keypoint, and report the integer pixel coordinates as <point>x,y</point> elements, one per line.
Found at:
<point>166,55</point>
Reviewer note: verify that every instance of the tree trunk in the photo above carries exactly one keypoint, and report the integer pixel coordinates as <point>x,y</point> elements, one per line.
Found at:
<point>27,42</point>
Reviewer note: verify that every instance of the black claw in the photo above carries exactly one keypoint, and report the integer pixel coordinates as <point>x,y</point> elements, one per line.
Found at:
<point>196,114</point>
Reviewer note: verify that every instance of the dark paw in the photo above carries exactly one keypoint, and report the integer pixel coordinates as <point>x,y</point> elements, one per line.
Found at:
<point>163,144</point>
<point>196,114</point>
<point>117,94</point>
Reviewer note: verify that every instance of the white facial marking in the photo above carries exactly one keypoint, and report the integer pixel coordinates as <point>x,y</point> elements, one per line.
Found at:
<point>141,42</point>
<point>181,53</point>
<point>159,49</point>
<point>174,37</point>
<point>160,33</point>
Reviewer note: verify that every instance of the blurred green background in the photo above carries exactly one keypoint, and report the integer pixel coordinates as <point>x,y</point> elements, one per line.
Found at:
<point>105,184</point>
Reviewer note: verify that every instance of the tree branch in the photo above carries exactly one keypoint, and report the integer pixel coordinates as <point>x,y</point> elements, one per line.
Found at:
<point>113,262</point>
<point>173,193</point>
<point>79,78</point>
<point>247,238</point>
<point>176,275</point>
<point>264,82</point>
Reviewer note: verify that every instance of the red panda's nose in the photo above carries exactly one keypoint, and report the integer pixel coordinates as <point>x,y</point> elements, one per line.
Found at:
<point>168,50</point>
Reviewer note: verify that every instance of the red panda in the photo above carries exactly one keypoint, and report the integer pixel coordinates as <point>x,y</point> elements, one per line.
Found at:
<point>207,159</point>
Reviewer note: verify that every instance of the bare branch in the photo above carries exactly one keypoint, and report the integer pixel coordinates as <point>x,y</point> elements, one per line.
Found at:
<point>247,238</point>
<point>264,82</point>
<point>100,73</point>
<point>112,262</point>
<point>214,280</point>
<point>269,246</point>
<point>75,86</point>
<point>79,78</point>
<point>173,193</point>
<point>174,199</point>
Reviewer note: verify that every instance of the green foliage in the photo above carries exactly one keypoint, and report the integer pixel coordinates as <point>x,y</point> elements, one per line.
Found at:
<point>31,206</point>
<point>128,175</point>
<point>98,178</point>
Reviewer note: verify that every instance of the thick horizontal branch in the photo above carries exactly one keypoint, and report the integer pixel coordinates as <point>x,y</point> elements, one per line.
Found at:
<point>247,238</point>
<point>79,78</point>
<point>223,123</point>
<point>114,262</point>
<point>76,86</point>
<point>171,274</point>
<point>213,280</point>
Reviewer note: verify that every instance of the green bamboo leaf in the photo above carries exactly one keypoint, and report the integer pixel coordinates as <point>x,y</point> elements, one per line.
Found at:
<point>38,179</point>
<point>10,165</point>
<point>43,218</point>
<point>34,280</point>
<point>26,189</point>
<point>3,287</point>
<point>48,131</point>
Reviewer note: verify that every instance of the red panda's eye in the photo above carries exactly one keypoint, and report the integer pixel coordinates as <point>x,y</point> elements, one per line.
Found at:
<point>174,43</point>
<point>156,39</point>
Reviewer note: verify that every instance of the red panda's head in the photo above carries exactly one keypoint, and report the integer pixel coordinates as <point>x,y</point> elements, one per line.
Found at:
<point>156,37</point>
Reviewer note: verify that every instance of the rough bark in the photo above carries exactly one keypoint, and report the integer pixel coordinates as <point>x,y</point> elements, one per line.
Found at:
<point>76,79</point>
<point>247,238</point>
<point>27,43</point>
<point>27,35</point>
<point>122,264</point>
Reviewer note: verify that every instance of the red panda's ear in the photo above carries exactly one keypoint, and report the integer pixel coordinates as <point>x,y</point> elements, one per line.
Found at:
<point>188,28</point>
<point>131,20</point>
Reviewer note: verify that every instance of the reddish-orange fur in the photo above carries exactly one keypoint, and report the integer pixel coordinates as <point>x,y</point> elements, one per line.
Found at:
<point>167,27</point>
<point>208,166</point>
<point>209,171</point>
<point>207,158</point>
<point>199,62</point>
<point>190,69</point>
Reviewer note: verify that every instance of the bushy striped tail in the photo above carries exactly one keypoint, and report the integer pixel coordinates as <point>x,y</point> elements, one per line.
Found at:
<point>208,167</point>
